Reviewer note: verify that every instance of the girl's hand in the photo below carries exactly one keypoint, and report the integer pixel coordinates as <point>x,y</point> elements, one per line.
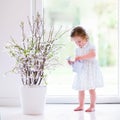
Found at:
<point>70,62</point>
<point>78,58</point>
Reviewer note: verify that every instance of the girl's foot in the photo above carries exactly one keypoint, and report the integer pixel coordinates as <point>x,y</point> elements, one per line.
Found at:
<point>90,109</point>
<point>79,108</point>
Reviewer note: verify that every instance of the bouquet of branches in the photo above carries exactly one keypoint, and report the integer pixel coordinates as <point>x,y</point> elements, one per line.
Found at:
<point>37,52</point>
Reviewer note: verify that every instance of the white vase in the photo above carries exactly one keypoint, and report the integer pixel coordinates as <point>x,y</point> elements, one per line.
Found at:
<point>33,99</point>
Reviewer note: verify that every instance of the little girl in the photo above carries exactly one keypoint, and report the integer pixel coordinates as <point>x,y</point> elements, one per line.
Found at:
<point>88,77</point>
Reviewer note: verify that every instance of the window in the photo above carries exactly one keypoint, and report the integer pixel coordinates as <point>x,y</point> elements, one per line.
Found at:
<point>100,19</point>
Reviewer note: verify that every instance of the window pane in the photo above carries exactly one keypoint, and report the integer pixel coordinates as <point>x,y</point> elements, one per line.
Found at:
<point>99,18</point>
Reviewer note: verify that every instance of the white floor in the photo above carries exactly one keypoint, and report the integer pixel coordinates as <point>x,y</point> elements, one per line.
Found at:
<point>64,112</point>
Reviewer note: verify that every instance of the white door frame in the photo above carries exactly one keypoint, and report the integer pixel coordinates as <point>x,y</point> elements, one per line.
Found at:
<point>37,6</point>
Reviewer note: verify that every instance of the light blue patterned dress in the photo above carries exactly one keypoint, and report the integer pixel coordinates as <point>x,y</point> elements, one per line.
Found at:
<point>87,73</point>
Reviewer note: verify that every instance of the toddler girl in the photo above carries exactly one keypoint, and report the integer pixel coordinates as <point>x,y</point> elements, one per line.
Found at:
<point>88,76</point>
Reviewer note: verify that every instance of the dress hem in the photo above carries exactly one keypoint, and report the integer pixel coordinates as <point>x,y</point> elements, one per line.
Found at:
<point>87,88</point>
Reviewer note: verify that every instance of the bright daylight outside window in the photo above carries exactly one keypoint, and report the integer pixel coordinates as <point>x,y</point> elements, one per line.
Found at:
<point>99,17</point>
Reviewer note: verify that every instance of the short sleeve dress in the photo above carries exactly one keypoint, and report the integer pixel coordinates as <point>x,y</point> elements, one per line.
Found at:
<point>90,76</point>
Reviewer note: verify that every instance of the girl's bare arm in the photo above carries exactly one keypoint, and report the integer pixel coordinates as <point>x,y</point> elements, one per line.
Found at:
<point>90,55</point>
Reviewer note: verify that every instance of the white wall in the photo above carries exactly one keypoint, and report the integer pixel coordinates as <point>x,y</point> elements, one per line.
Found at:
<point>11,13</point>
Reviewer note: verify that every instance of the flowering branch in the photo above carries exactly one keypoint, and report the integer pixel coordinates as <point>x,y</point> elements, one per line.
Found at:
<point>37,53</point>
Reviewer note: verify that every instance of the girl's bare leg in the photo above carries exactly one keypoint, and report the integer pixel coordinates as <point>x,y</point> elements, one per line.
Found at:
<point>92,100</point>
<point>81,98</point>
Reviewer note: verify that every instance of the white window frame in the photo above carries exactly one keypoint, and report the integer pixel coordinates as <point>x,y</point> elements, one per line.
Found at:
<point>37,6</point>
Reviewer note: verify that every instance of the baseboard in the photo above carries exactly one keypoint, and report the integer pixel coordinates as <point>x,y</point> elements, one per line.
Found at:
<point>7,101</point>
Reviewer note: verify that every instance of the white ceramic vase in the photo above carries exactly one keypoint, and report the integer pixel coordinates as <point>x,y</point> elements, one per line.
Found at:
<point>32,99</point>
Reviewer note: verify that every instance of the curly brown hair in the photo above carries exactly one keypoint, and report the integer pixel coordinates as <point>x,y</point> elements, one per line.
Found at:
<point>79,31</point>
